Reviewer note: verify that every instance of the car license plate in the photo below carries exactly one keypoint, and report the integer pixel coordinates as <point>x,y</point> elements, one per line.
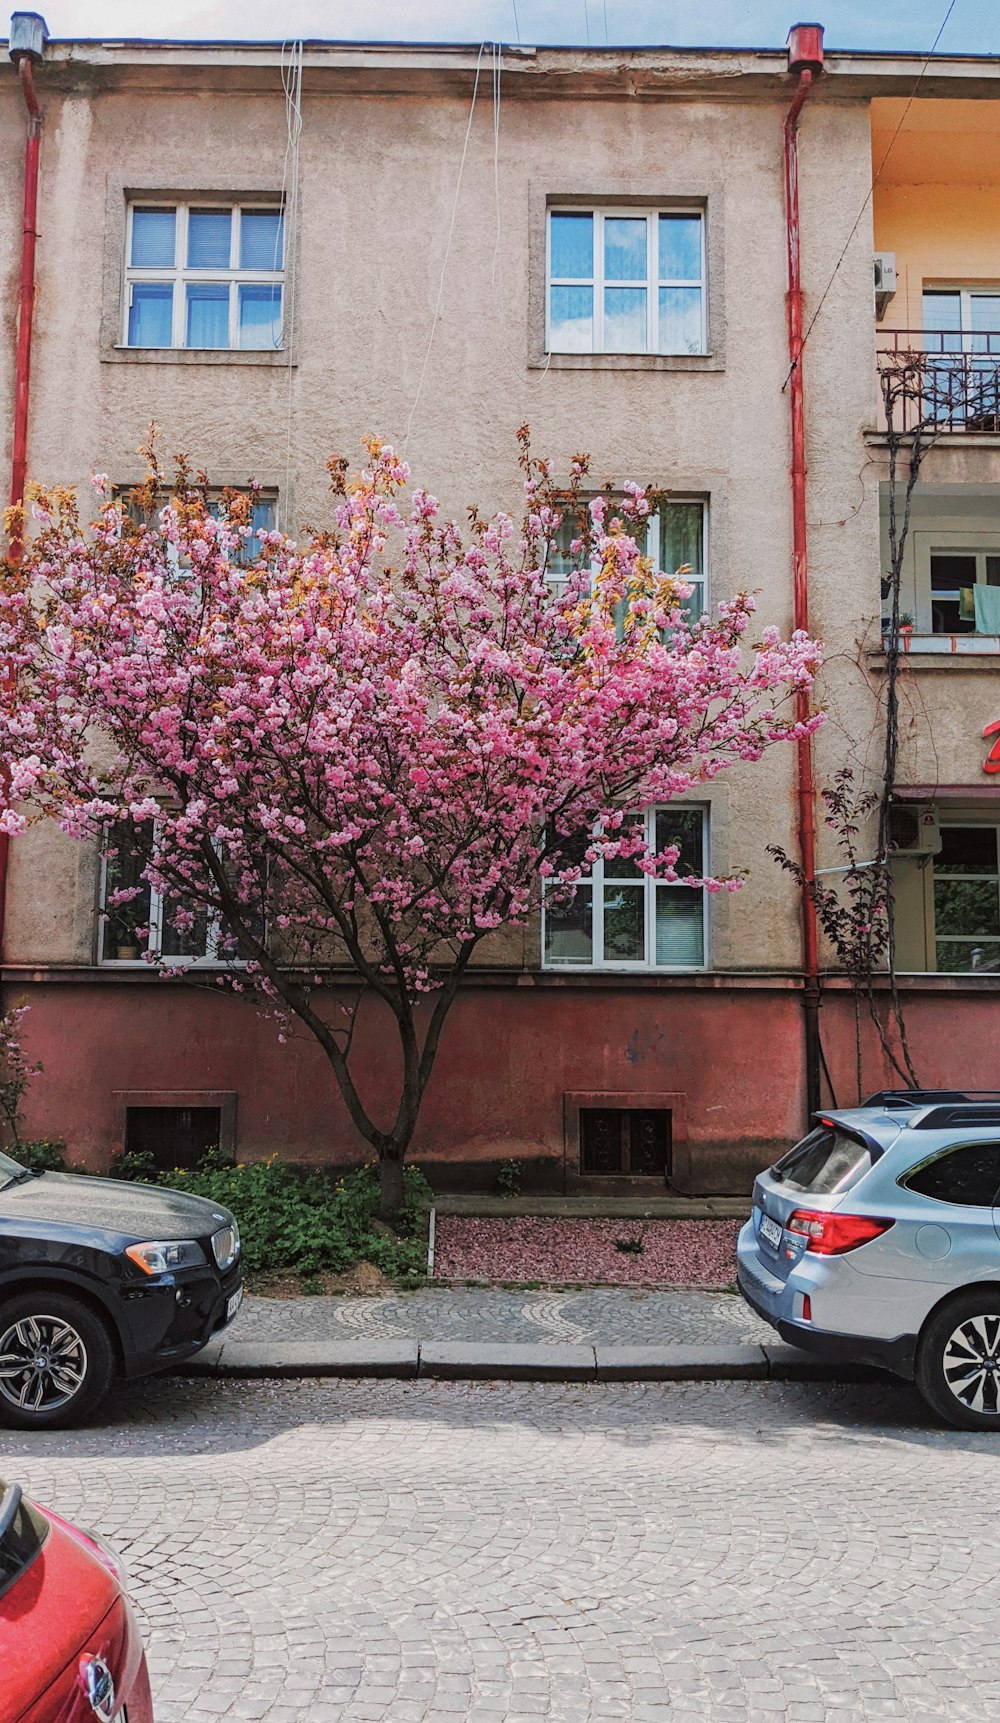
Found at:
<point>233,1303</point>
<point>770,1231</point>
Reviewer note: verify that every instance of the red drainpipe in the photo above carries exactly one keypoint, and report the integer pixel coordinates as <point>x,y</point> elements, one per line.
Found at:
<point>805,56</point>
<point>27,39</point>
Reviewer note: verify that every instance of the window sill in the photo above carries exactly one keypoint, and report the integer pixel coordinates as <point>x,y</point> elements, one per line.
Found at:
<point>541,361</point>
<point>196,356</point>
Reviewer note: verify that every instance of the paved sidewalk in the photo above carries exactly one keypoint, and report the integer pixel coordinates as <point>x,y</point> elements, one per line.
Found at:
<point>600,1335</point>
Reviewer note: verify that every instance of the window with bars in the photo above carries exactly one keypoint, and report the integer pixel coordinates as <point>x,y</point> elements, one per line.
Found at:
<point>626,281</point>
<point>625,1141</point>
<point>204,276</point>
<point>675,536</point>
<point>621,918</point>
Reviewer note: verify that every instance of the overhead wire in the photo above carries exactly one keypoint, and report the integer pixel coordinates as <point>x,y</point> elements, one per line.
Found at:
<point>447,249</point>
<point>517,26</point>
<point>870,193</point>
<point>292,55</point>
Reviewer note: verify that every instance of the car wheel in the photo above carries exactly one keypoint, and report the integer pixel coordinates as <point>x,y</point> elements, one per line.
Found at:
<point>958,1361</point>
<point>57,1360</point>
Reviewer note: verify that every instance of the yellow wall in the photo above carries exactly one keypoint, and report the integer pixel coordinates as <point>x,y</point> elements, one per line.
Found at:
<point>937,200</point>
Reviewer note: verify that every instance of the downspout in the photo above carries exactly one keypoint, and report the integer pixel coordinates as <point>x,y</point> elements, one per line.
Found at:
<point>28,35</point>
<point>805,56</point>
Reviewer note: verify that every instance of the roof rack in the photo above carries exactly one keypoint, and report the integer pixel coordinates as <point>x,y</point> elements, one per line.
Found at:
<point>930,1097</point>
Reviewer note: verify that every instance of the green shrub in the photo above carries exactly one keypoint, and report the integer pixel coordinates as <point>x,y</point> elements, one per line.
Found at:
<point>509,1178</point>
<point>306,1221</point>
<point>41,1156</point>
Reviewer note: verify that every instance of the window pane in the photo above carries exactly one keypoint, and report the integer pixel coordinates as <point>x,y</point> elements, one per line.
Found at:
<point>680,247</point>
<point>209,238</point>
<point>187,941</point>
<point>621,868</point>
<point>625,320</point>
<point>260,317</point>
<point>625,248</point>
<point>153,238</point>
<point>261,239</point>
<point>968,1175</point>
<point>207,314</point>
<point>966,906</point>
<point>967,849</point>
<point>984,315</point>
<point>943,311</point>
<point>683,827</point>
<point>571,247</point>
<point>624,924</point>
<point>963,956</point>
<point>681,537</point>
<point>679,925</point>
<point>122,871</point>
<point>571,320</point>
<point>569,928</point>
<point>680,320</point>
<point>151,313</point>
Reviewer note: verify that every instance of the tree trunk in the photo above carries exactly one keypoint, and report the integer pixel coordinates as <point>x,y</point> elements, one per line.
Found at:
<point>391,1198</point>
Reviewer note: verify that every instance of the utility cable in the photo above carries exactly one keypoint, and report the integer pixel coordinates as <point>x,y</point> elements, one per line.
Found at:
<point>447,250</point>
<point>517,26</point>
<point>870,193</point>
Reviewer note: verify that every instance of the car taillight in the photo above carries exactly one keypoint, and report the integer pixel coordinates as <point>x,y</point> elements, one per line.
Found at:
<point>833,1234</point>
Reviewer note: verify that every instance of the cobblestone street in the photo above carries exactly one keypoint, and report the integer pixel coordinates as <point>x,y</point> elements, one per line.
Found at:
<point>727,1553</point>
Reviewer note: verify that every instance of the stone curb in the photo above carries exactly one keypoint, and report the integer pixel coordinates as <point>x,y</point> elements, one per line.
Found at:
<point>486,1361</point>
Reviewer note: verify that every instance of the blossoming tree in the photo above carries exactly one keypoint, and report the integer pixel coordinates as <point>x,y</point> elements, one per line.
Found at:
<point>366,753</point>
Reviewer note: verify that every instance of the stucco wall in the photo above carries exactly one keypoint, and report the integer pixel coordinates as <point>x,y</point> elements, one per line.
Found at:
<point>378,180</point>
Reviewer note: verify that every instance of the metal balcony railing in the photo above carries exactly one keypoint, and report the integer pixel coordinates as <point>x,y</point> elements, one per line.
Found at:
<point>941,378</point>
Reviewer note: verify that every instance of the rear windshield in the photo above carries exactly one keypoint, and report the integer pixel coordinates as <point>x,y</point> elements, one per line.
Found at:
<point>22,1540</point>
<point>824,1162</point>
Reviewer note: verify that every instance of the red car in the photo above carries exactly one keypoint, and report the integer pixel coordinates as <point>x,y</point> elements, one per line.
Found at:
<point>70,1650</point>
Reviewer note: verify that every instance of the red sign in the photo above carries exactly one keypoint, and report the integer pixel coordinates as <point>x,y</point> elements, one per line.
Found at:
<point>992,760</point>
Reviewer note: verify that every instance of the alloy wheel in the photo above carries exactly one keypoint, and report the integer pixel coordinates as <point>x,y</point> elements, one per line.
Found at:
<point>971,1364</point>
<point>43,1363</point>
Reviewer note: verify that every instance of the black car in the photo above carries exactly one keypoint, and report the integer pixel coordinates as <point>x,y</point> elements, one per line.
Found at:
<point>98,1279</point>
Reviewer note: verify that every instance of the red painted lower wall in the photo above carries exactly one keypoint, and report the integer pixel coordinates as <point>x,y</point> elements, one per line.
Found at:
<point>727,1051</point>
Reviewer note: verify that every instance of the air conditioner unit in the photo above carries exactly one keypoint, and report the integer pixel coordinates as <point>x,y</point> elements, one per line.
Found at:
<point>885,280</point>
<point>914,831</point>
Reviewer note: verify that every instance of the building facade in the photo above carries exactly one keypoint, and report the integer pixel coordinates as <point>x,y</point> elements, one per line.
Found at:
<point>271,252</point>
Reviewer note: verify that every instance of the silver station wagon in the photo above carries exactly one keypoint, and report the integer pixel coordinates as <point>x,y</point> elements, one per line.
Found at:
<point>877,1239</point>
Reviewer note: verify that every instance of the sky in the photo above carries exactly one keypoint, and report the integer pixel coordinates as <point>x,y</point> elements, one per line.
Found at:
<point>973,26</point>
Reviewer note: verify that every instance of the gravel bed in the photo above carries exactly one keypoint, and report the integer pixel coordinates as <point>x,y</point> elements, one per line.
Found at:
<point>525,1247</point>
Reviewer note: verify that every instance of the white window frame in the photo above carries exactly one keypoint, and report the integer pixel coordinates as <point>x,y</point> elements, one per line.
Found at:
<point>180,275</point>
<point>965,333</point>
<point>651,283</point>
<point>157,905</point>
<point>596,880</point>
<point>929,542</point>
<point>993,878</point>
<point>556,578</point>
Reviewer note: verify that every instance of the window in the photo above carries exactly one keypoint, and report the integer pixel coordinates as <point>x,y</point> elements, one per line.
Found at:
<point>625,281</point>
<point>625,1140</point>
<point>263,518</point>
<point>172,1136</point>
<point>675,536</point>
<point>967,320</point>
<point>969,1174</point>
<point>966,899</point>
<point>621,918</point>
<point>826,1161</point>
<point>174,936</point>
<point>204,276</point>
<point>965,592</point>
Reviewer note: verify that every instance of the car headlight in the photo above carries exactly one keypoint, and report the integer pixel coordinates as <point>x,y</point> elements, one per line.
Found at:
<point>164,1255</point>
<point>226,1246</point>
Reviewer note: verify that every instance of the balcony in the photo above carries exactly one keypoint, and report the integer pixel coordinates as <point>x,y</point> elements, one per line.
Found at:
<point>941,379</point>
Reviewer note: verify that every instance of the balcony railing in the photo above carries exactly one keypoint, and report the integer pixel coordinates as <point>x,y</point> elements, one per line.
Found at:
<point>941,378</point>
